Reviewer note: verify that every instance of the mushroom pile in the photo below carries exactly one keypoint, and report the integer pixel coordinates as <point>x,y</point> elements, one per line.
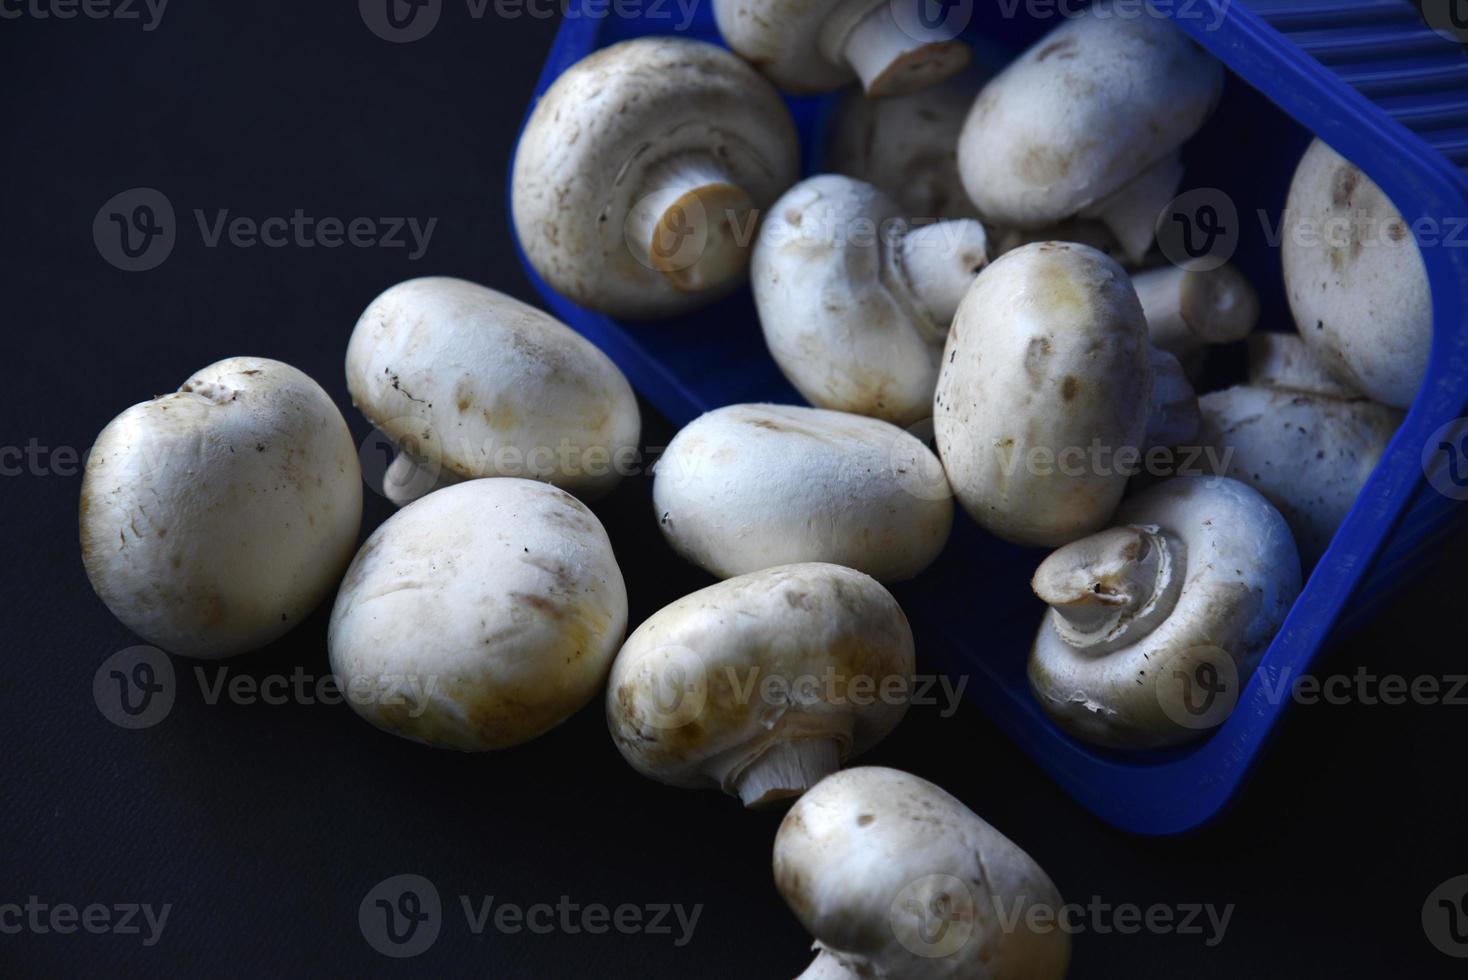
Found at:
<point>983,260</point>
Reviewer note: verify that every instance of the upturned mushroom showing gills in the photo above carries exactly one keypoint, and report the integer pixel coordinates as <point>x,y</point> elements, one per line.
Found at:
<point>1356,280</point>
<point>907,146</point>
<point>480,616</point>
<point>215,518</point>
<point>642,172</point>
<point>815,47</point>
<point>1155,624</point>
<point>855,303</point>
<point>764,684</point>
<point>470,383</point>
<point>1050,392</point>
<point>896,878</point>
<point>747,487</point>
<point>1308,445</point>
<point>1088,122</point>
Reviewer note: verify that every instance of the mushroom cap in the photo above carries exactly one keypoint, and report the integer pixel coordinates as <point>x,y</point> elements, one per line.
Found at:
<point>598,130</point>
<point>474,383</point>
<point>1048,355</point>
<point>907,145</point>
<point>747,487</point>
<point>1092,106</point>
<point>868,855</point>
<point>1239,573</point>
<point>841,316</point>
<point>215,518</point>
<point>1356,280</point>
<point>479,617</point>
<point>1309,454</point>
<point>711,682</point>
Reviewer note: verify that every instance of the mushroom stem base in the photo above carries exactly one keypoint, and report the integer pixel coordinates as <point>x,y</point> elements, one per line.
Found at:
<point>891,60</point>
<point>788,769</point>
<point>1174,420</point>
<point>939,263</point>
<point>1132,212</point>
<point>693,224</point>
<point>827,967</point>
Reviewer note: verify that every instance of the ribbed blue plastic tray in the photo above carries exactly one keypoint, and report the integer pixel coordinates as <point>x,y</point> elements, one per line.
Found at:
<point>1374,82</point>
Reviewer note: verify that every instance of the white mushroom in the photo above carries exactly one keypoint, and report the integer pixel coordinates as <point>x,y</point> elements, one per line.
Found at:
<point>1307,449</point>
<point>855,303</point>
<point>820,46</point>
<point>214,519</point>
<point>896,878</point>
<point>1190,586</point>
<point>907,146</point>
<point>751,486</point>
<point>472,383</point>
<point>1088,122</point>
<point>642,171</point>
<point>764,684</point>
<point>1049,387</point>
<point>480,616</point>
<point>1356,280</point>
<point>1188,310</point>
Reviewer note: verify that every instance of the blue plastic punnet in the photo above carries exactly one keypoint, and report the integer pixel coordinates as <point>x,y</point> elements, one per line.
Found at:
<point>1387,92</point>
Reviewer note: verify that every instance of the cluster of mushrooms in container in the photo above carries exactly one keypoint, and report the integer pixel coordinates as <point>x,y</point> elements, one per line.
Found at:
<point>1031,312</point>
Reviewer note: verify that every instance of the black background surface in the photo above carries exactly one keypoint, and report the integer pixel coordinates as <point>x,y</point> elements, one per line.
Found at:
<point>264,826</point>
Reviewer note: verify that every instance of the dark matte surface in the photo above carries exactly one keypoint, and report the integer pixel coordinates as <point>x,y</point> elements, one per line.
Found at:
<point>265,826</point>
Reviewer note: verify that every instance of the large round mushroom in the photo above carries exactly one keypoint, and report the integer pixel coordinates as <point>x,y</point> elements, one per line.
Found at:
<point>642,172</point>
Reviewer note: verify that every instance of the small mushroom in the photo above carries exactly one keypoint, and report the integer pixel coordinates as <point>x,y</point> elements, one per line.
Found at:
<point>1088,122</point>
<point>1048,384</point>
<point>1307,448</point>
<point>751,486</point>
<point>855,302</point>
<point>1188,310</point>
<point>818,47</point>
<point>641,174</point>
<point>480,616</point>
<point>472,383</point>
<point>1199,572</point>
<point>764,684</point>
<point>1356,280</point>
<point>896,878</point>
<point>907,146</point>
<point>215,518</point>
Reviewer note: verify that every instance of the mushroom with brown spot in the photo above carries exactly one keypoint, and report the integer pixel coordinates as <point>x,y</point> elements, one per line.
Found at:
<point>1356,280</point>
<point>855,302</point>
<point>763,684</point>
<point>641,174</point>
<point>896,878</point>
<point>1049,393</point>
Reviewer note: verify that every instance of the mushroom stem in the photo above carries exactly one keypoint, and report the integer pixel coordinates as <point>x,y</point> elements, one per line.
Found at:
<point>408,478</point>
<point>827,967</point>
<point>1187,310</point>
<point>787,769</point>
<point>1175,416</point>
<point>1284,361</point>
<point>939,262</point>
<point>894,60</point>
<point>692,223</point>
<point>1111,587</point>
<point>1132,212</point>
